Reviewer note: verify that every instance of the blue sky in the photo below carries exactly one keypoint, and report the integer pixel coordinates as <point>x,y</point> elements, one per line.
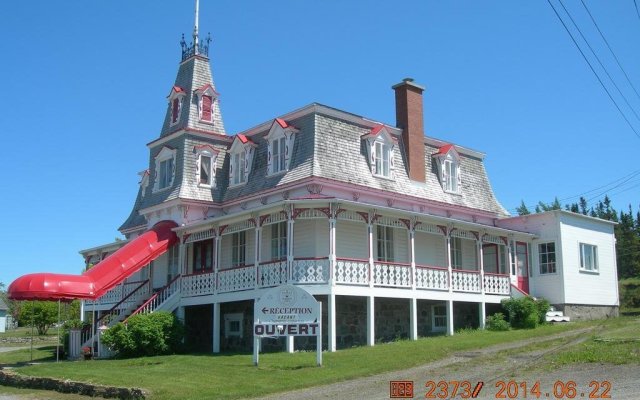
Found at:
<point>85,86</point>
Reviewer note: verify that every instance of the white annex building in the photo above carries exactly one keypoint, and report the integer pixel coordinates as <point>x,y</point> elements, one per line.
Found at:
<point>397,233</point>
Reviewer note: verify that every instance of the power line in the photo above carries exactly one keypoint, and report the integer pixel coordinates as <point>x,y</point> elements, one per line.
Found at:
<point>608,46</point>
<point>593,70</point>
<point>599,61</point>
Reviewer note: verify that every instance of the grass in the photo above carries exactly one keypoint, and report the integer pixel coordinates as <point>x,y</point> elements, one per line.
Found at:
<point>616,343</point>
<point>40,354</point>
<point>234,376</point>
<point>25,331</point>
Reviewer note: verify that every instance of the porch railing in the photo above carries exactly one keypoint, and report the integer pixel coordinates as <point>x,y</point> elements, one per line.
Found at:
<point>236,279</point>
<point>392,274</point>
<point>310,270</point>
<point>199,284</point>
<point>434,278</point>
<point>352,271</point>
<point>465,281</point>
<point>158,298</point>
<point>497,283</point>
<point>272,273</point>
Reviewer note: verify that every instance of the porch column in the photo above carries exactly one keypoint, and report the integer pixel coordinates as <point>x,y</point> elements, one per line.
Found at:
<point>216,327</point>
<point>513,262</point>
<point>412,254</point>
<point>288,343</point>
<point>180,313</point>
<point>290,222</point>
<point>256,253</point>
<point>413,325</point>
<point>370,239</point>
<point>480,263</point>
<point>82,306</point>
<point>332,252</point>
<point>371,321</point>
<point>331,322</point>
<point>449,317</point>
<point>216,262</point>
<point>182,265</point>
<point>447,241</point>
<point>483,313</point>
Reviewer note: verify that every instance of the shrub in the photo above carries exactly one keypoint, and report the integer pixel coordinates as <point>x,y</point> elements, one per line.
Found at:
<point>145,335</point>
<point>496,322</point>
<point>542,306</point>
<point>523,312</point>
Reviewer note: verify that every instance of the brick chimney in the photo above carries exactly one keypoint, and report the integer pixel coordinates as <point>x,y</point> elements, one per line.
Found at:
<point>409,118</point>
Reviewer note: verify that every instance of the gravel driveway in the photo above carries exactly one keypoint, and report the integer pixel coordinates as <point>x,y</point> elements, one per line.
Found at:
<point>489,366</point>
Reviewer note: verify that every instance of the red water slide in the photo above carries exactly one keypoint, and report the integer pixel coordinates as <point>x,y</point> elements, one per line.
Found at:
<point>102,277</point>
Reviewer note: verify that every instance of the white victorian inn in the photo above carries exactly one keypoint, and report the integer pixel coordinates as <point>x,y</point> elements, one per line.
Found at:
<point>398,234</point>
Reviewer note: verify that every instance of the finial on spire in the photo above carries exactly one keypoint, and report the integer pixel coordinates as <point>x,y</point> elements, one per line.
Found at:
<point>195,47</point>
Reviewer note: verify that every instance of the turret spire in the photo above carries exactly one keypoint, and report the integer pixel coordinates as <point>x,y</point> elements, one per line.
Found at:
<point>195,28</point>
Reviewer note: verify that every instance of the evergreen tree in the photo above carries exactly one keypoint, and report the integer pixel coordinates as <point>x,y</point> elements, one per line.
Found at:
<point>583,205</point>
<point>523,210</point>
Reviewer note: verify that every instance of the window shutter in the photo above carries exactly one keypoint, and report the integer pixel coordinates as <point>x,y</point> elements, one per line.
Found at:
<point>392,164</point>
<point>269,151</point>
<point>373,159</point>
<point>247,154</point>
<point>459,177</point>
<point>206,108</point>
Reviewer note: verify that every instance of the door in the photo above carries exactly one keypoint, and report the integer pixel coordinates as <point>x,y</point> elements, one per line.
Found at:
<point>522,266</point>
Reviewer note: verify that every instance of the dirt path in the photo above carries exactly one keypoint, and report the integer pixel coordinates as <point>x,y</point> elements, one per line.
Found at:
<point>496,363</point>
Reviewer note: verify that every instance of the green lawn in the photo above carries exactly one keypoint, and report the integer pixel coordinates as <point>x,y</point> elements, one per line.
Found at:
<point>234,376</point>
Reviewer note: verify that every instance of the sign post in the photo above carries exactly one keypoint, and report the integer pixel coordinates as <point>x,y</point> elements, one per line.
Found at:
<point>287,310</point>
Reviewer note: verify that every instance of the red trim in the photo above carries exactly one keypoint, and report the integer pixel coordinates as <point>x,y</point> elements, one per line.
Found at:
<point>298,211</point>
<point>465,270</point>
<point>325,210</point>
<point>519,290</point>
<point>401,264</point>
<point>491,273</point>
<point>282,123</point>
<point>443,229</point>
<point>310,258</point>
<point>263,218</point>
<point>406,222</point>
<point>221,229</point>
<point>201,272</point>
<point>141,285</point>
<point>432,267</point>
<point>236,267</point>
<point>352,259</point>
<point>272,261</point>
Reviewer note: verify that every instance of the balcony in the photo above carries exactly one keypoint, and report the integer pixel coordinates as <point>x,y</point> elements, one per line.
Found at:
<point>348,272</point>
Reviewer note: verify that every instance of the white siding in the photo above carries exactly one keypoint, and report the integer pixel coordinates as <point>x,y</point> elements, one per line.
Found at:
<point>351,240</point>
<point>401,245</point>
<point>160,271</point>
<point>304,238</point>
<point>583,287</point>
<point>225,251</point>
<point>431,250</point>
<point>265,246</point>
<point>250,251</point>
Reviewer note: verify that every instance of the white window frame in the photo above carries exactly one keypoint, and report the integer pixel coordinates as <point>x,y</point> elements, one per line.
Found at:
<point>239,249</point>
<point>450,172</point>
<point>229,319</point>
<point>165,155</point>
<point>589,252</point>
<point>455,254</point>
<point>211,169</point>
<point>173,96</point>
<point>383,155</point>
<point>279,240</point>
<point>207,90</point>
<point>547,266</point>
<point>238,164</point>
<point>438,321</point>
<point>278,155</point>
<point>384,243</point>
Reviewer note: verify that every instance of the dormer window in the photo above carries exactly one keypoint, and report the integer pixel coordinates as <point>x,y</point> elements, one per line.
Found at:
<point>164,168</point>
<point>144,181</point>
<point>381,147</point>
<point>280,140</point>
<point>206,165</point>
<point>240,159</point>
<point>448,161</point>
<point>206,97</point>
<point>176,97</point>
<point>278,153</point>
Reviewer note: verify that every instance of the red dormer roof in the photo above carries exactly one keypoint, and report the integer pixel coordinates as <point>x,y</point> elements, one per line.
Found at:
<point>282,123</point>
<point>444,149</point>
<point>375,131</point>
<point>205,87</point>
<point>176,89</point>
<point>242,138</point>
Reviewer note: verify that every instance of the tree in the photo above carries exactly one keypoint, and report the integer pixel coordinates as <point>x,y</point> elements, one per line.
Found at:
<point>43,314</point>
<point>523,210</point>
